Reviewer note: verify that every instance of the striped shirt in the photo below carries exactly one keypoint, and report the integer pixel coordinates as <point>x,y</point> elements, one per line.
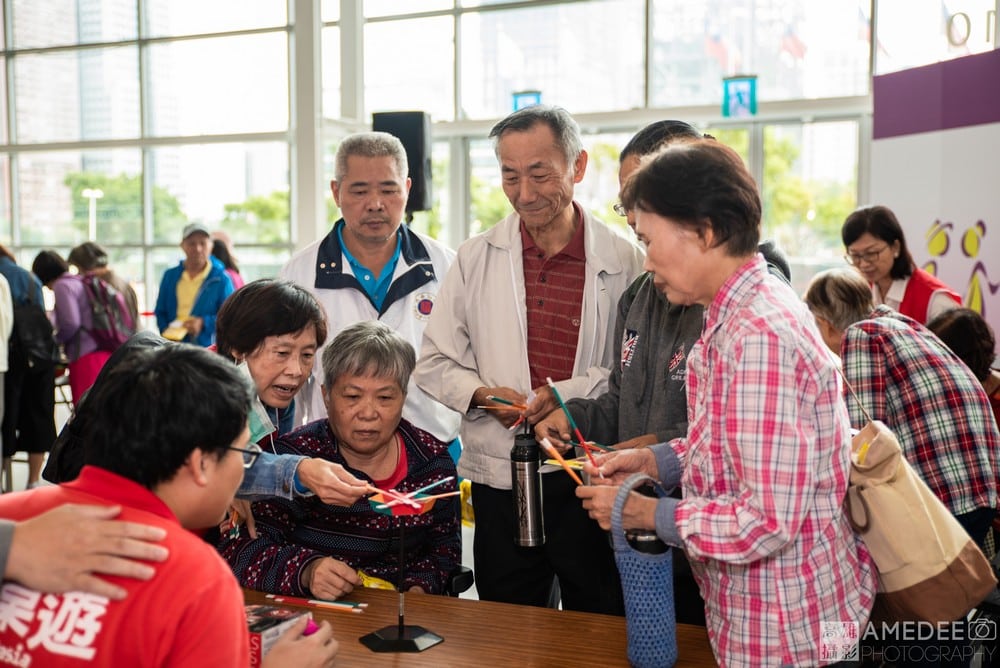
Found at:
<point>766,468</point>
<point>905,377</point>
<point>553,293</point>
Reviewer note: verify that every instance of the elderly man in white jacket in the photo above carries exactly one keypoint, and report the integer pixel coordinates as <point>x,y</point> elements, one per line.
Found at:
<point>532,298</point>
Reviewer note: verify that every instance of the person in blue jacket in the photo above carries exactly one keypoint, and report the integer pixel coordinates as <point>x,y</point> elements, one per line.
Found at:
<point>192,292</point>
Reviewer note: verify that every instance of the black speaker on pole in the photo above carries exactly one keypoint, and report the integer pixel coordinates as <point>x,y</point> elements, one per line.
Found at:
<point>413,128</point>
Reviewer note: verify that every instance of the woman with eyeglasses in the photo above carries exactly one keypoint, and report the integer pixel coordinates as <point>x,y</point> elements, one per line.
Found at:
<point>877,249</point>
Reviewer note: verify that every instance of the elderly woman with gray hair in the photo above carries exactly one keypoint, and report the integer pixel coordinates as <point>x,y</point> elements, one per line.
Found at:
<point>308,548</point>
<point>907,378</point>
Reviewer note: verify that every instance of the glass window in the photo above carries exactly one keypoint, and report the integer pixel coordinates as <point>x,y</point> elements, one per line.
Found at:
<point>3,102</point>
<point>484,3</point>
<point>256,262</point>
<point>487,201</point>
<point>241,188</point>
<point>5,218</point>
<point>809,187</point>
<point>219,85</point>
<point>436,222</point>
<point>390,7</point>
<point>74,196</point>
<point>65,22</point>
<point>735,137</point>
<point>797,49</point>
<point>598,192</point>
<point>409,65</point>
<point>912,34</point>
<point>77,95</point>
<point>331,72</point>
<point>330,10</point>
<point>584,56</point>
<point>167,18</point>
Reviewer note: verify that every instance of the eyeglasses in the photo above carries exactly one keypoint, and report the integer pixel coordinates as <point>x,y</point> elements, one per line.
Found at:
<point>867,256</point>
<point>620,209</point>
<point>250,454</point>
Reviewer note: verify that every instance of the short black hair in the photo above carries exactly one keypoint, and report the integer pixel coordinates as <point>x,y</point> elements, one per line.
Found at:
<point>655,135</point>
<point>700,184</point>
<point>48,266</point>
<point>263,308</point>
<point>157,406</point>
<point>969,336</point>
<point>881,223</point>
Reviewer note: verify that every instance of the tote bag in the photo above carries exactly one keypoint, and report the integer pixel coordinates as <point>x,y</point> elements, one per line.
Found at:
<point>648,589</point>
<point>929,568</point>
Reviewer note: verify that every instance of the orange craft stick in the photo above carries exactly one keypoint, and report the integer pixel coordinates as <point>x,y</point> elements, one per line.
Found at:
<point>551,449</point>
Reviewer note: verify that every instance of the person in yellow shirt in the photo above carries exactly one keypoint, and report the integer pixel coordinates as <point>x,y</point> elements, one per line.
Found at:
<point>192,292</point>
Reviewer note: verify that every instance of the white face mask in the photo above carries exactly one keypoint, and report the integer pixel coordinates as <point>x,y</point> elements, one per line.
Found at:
<point>259,422</point>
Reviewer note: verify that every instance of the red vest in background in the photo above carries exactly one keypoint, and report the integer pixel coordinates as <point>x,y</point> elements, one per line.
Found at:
<point>917,295</point>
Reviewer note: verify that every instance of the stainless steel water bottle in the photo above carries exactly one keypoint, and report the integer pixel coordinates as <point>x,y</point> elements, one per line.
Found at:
<point>526,484</point>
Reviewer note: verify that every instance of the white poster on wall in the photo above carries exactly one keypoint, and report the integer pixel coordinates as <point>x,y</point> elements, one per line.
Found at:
<point>936,164</point>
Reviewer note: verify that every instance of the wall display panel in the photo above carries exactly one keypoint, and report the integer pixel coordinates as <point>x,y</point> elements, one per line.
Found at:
<point>171,18</point>
<point>935,166</point>
<point>241,188</point>
<point>220,85</point>
<point>797,49</point>
<point>69,197</point>
<point>409,66</point>
<point>38,24</point>
<point>67,96</point>
<point>584,56</point>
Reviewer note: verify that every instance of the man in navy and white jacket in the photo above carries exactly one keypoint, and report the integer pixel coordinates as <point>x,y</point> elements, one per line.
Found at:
<point>372,266</point>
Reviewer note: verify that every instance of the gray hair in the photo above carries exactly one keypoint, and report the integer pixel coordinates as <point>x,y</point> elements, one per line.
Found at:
<point>840,296</point>
<point>370,145</point>
<point>369,348</point>
<point>565,129</point>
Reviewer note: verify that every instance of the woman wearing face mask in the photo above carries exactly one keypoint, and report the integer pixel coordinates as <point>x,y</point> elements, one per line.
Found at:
<point>877,249</point>
<point>274,328</point>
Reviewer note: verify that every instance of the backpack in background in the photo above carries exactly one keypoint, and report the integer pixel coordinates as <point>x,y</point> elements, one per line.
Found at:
<point>112,321</point>
<point>32,337</point>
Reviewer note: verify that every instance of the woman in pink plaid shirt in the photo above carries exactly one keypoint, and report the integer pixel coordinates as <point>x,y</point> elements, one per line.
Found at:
<point>764,465</point>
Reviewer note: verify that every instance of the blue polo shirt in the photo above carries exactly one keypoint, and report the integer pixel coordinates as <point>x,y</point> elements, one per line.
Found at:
<point>376,287</point>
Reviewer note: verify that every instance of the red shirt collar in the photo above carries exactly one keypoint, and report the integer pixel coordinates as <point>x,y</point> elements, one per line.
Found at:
<point>574,249</point>
<point>114,488</point>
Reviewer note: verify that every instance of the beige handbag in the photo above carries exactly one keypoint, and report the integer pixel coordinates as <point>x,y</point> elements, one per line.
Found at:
<point>929,568</point>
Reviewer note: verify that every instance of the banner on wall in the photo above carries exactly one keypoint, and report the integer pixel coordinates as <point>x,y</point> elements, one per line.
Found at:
<point>935,148</point>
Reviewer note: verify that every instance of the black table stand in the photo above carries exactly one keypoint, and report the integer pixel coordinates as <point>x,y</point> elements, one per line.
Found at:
<point>400,638</point>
